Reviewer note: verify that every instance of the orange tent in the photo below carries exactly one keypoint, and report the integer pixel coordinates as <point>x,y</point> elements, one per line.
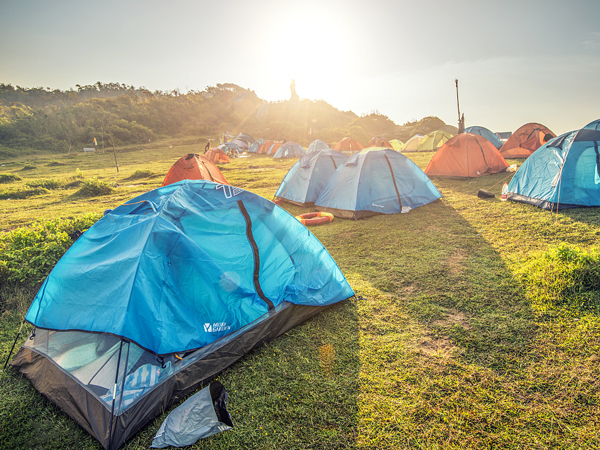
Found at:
<point>378,141</point>
<point>265,146</point>
<point>217,156</point>
<point>271,150</point>
<point>466,155</point>
<point>526,140</point>
<point>194,167</point>
<point>348,144</point>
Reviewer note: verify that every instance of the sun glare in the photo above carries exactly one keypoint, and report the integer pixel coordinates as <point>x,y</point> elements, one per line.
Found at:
<point>311,50</point>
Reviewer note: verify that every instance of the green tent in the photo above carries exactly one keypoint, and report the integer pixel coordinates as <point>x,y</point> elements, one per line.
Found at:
<point>433,141</point>
<point>397,145</point>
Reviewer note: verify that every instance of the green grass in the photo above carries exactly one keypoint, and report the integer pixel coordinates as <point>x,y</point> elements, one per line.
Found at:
<point>446,346</point>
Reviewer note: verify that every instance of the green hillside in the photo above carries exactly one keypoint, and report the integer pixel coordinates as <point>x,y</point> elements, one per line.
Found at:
<point>45,120</point>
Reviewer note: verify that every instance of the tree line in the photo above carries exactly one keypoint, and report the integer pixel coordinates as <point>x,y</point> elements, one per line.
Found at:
<point>118,114</point>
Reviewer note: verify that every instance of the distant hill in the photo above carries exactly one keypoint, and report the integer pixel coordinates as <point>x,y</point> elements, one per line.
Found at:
<point>55,120</point>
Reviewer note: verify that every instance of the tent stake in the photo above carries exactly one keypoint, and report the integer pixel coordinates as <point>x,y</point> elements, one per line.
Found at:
<point>13,346</point>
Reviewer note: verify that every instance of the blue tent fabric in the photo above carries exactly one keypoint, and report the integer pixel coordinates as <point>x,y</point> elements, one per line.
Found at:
<point>183,265</point>
<point>306,179</point>
<point>316,146</point>
<point>482,131</point>
<point>563,173</point>
<point>290,150</point>
<point>595,125</point>
<point>376,181</point>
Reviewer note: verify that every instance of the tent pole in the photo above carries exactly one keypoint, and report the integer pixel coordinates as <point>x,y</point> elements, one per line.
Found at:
<point>13,346</point>
<point>112,409</point>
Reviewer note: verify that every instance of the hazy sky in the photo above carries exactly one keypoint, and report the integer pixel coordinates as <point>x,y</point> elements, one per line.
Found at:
<point>516,61</point>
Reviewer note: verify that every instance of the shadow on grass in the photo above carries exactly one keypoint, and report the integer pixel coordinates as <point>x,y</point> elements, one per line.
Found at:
<point>451,354</point>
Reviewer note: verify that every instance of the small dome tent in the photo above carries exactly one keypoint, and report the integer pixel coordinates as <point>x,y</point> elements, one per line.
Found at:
<point>290,150</point>
<point>273,148</point>
<point>348,145</point>
<point>217,155</point>
<point>483,131</point>
<point>526,140</point>
<point>595,125</point>
<point>254,146</point>
<point>376,181</point>
<point>165,292</point>
<point>306,179</point>
<point>563,173</point>
<point>466,155</point>
<point>194,167</point>
<point>316,146</point>
<point>378,141</point>
<point>265,146</point>
<point>433,141</point>
<point>397,144</point>
<point>413,143</point>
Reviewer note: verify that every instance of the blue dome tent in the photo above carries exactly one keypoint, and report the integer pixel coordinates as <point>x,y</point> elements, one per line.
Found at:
<point>563,173</point>
<point>306,179</point>
<point>376,181</point>
<point>595,125</point>
<point>162,294</point>
<point>482,131</point>
<point>316,146</point>
<point>290,150</point>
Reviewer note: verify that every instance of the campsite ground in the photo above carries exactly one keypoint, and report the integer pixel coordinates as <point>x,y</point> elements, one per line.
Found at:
<point>445,345</point>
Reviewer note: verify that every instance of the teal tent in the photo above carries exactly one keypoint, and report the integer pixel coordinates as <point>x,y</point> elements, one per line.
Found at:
<point>563,173</point>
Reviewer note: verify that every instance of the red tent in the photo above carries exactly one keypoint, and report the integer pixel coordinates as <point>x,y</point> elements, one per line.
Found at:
<point>526,140</point>
<point>378,141</point>
<point>466,155</point>
<point>348,144</point>
<point>217,156</point>
<point>194,167</point>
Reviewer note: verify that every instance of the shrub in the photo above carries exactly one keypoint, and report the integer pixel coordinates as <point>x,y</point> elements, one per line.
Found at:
<point>55,163</point>
<point>145,173</point>
<point>20,194</point>
<point>52,183</point>
<point>564,277</point>
<point>29,167</point>
<point>94,188</point>
<point>8,177</point>
<point>27,255</point>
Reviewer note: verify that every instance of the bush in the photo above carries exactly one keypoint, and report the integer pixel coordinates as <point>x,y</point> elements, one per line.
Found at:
<point>20,194</point>
<point>55,163</point>
<point>8,177</point>
<point>141,174</point>
<point>564,277</point>
<point>94,188</point>
<point>29,167</point>
<point>52,183</point>
<point>27,255</point>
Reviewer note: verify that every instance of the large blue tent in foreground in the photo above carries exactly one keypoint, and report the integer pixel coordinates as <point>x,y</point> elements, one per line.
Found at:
<point>563,173</point>
<point>162,294</point>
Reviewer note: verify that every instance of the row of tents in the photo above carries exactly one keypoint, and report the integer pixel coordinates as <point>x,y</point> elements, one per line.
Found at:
<point>381,180</point>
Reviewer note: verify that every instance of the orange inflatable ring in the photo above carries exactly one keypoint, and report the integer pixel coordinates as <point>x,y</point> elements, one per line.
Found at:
<point>315,218</point>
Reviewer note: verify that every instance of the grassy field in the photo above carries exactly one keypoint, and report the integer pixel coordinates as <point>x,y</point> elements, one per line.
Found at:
<point>446,346</point>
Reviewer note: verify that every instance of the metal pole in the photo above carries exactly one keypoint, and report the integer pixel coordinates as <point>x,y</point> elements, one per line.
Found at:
<point>457,102</point>
<point>13,346</point>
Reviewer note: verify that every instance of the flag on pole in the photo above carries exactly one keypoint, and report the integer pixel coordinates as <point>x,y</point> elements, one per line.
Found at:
<point>95,142</point>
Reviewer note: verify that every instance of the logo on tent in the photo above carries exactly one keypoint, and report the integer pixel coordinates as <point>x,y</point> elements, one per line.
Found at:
<point>229,191</point>
<point>216,327</point>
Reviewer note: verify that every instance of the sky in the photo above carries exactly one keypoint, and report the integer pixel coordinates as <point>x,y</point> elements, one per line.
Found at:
<point>517,61</point>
